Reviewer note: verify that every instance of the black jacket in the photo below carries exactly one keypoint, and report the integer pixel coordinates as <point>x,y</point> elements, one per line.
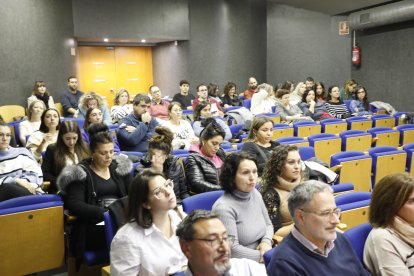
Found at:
<point>202,175</point>
<point>77,190</point>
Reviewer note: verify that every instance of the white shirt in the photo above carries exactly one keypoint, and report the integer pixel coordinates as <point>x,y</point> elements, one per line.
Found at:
<point>139,251</point>
<point>27,128</point>
<point>183,133</point>
<point>241,267</point>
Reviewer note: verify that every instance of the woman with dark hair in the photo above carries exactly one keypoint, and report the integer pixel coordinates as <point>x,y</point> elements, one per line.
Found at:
<point>204,163</point>
<point>94,116</point>
<point>41,93</point>
<point>203,117</point>
<point>335,106</point>
<point>241,208</point>
<point>230,97</point>
<point>69,149</point>
<point>89,187</point>
<point>320,94</point>
<point>46,135</point>
<point>287,111</point>
<point>20,175</point>
<point>281,174</point>
<point>27,127</point>
<point>159,158</point>
<point>147,244</point>
<point>260,144</point>
<point>315,110</point>
<point>214,92</point>
<point>389,248</point>
<point>184,135</point>
<point>360,105</point>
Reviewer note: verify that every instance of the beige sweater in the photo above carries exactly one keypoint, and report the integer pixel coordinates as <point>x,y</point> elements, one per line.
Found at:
<point>386,254</point>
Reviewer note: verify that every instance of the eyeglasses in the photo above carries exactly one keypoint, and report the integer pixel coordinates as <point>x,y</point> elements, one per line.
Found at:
<point>165,188</point>
<point>326,214</point>
<point>217,241</point>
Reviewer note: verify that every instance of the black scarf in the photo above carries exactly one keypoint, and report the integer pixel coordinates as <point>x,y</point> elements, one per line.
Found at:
<point>44,98</point>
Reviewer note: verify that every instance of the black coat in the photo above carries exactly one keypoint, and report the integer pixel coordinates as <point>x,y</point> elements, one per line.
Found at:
<point>202,175</point>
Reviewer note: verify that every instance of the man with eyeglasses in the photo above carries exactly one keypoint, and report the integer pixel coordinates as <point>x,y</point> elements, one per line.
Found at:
<point>314,247</point>
<point>205,243</point>
<point>158,107</point>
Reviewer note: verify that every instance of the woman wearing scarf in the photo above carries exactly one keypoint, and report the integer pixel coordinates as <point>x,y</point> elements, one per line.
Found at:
<point>40,92</point>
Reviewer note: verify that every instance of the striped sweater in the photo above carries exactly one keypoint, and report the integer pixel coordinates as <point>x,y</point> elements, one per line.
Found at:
<point>337,110</point>
<point>19,163</point>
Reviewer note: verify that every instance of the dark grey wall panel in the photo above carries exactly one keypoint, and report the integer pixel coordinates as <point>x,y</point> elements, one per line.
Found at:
<point>170,65</point>
<point>162,19</point>
<point>35,45</point>
<point>387,59</point>
<point>303,43</point>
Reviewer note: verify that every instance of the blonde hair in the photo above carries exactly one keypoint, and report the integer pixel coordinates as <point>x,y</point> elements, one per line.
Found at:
<point>118,94</point>
<point>91,96</point>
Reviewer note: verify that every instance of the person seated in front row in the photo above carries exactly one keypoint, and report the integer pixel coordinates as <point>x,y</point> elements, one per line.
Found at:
<point>334,104</point>
<point>203,116</point>
<point>93,100</point>
<point>46,135</point>
<point>94,116</point>
<point>121,107</point>
<point>88,189</point>
<point>314,247</point>
<point>260,143</point>
<point>20,174</point>
<point>205,242</point>
<point>27,127</point>
<point>282,173</point>
<point>311,108</point>
<point>147,244</point>
<point>136,128</point>
<point>204,163</point>
<point>159,158</point>
<point>69,149</point>
<point>286,111</point>
<point>389,248</point>
<point>241,208</point>
<point>359,106</point>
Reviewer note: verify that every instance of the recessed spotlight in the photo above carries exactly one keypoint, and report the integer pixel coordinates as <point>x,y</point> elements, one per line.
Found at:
<point>176,43</point>
<point>143,40</point>
<point>106,39</point>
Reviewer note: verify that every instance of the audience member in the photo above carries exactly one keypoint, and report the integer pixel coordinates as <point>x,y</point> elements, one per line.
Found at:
<point>260,144</point>
<point>185,98</point>
<point>203,116</point>
<point>288,112</point>
<point>20,174</point>
<point>12,140</point>
<point>252,88</point>
<point>147,244</point>
<point>320,92</point>
<point>93,100</point>
<point>159,158</point>
<point>281,174</point>
<point>202,93</point>
<point>70,98</point>
<point>348,91</point>
<point>89,187</point>
<point>27,127</point>
<point>241,205</point>
<point>121,107</point>
<point>159,107</point>
<point>184,135</point>
<point>288,85</point>
<point>204,163</point>
<point>360,105</point>
<point>263,100</point>
<point>94,116</point>
<point>46,135</point>
<point>206,244</point>
<point>296,95</point>
<point>309,83</point>
<point>136,128</point>
<point>214,92</point>
<point>69,149</point>
<point>389,249</point>
<point>40,92</point>
<point>315,110</point>
<point>314,247</point>
<point>335,106</point>
<point>230,97</point>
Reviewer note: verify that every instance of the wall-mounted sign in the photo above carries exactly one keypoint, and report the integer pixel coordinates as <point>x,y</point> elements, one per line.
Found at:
<point>343,28</point>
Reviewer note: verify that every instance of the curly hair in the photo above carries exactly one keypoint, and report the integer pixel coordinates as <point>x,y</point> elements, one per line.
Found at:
<point>91,96</point>
<point>306,93</point>
<point>162,140</point>
<point>274,166</point>
<point>228,87</point>
<point>230,167</point>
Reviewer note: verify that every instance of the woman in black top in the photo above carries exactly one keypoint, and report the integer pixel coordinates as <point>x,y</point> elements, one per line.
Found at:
<point>260,144</point>
<point>230,97</point>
